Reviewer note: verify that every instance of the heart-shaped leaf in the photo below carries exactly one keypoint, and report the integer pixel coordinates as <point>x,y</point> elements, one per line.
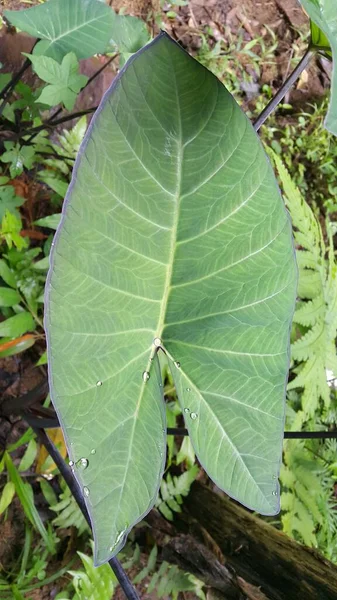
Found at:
<point>80,26</point>
<point>174,234</point>
<point>324,14</point>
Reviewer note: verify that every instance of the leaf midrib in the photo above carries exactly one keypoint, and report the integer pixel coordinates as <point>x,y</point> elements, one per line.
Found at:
<point>77,28</point>
<point>169,270</point>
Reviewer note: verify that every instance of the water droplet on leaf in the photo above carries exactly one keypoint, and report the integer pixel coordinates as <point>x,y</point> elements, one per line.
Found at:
<point>193,416</point>
<point>157,342</point>
<point>99,383</point>
<point>146,376</point>
<point>82,463</point>
<point>71,463</point>
<point>274,493</point>
<point>186,410</point>
<point>188,389</point>
<point>86,491</point>
<point>93,451</point>
<point>177,364</point>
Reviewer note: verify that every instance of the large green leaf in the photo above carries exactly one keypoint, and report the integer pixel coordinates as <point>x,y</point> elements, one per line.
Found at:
<point>324,14</point>
<point>80,26</point>
<point>173,228</point>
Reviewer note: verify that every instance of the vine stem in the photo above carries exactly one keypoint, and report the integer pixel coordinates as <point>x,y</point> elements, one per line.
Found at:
<point>66,473</point>
<point>289,82</point>
<point>6,91</point>
<point>52,124</point>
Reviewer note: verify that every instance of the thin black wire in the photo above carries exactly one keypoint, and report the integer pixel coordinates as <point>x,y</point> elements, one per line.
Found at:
<point>297,435</point>
<point>293,435</point>
<point>66,473</point>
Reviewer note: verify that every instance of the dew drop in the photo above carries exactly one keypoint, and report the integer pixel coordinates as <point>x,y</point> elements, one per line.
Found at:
<point>177,364</point>
<point>71,463</point>
<point>188,389</point>
<point>186,410</point>
<point>157,342</point>
<point>82,463</point>
<point>99,383</point>
<point>274,493</point>
<point>146,376</point>
<point>193,416</point>
<point>86,491</point>
<point>274,476</point>
<point>93,451</point>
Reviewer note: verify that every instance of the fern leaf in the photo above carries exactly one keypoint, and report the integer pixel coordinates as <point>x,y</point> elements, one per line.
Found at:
<point>310,312</point>
<point>311,344</point>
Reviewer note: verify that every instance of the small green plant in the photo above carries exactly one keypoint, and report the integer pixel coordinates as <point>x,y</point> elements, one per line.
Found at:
<point>237,62</point>
<point>309,152</point>
<point>166,580</point>
<point>91,583</point>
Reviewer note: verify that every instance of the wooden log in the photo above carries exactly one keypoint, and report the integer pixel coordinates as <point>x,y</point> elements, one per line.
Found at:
<point>258,553</point>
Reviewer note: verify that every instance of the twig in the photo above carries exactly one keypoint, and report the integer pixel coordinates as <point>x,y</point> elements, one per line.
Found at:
<point>52,154</point>
<point>66,473</point>
<point>6,91</point>
<point>51,125</point>
<point>284,89</point>
<point>108,62</point>
<point>15,406</point>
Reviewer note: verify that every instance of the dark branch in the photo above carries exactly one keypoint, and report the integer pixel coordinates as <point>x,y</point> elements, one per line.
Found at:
<point>15,406</point>
<point>7,90</point>
<point>52,124</point>
<point>284,89</point>
<point>66,473</point>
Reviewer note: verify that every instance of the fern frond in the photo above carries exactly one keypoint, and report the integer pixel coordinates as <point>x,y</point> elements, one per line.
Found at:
<point>168,581</point>
<point>92,583</point>
<point>309,313</point>
<point>68,512</point>
<point>309,284</point>
<point>311,344</point>
<point>315,349</point>
<point>301,213</point>
<point>171,491</point>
